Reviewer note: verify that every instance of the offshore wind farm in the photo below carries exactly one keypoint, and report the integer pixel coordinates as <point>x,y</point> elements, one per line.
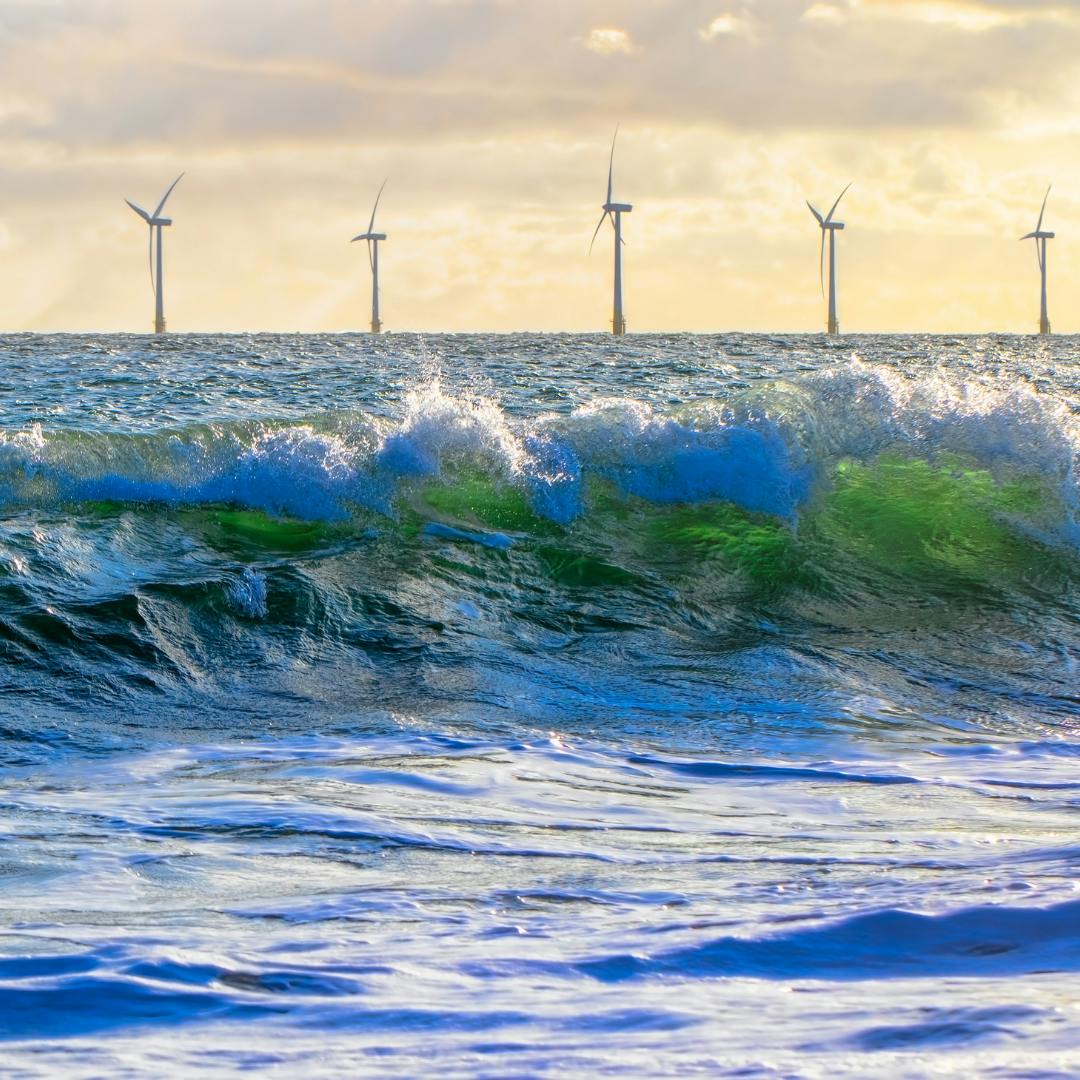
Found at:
<point>434,642</point>
<point>612,212</point>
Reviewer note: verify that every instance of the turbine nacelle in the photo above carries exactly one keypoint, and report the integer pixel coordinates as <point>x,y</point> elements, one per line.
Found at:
<point>371,234</point>
<point>616,208</point>
<point>825,222</point>
<point>155,218</point>
<point>1039,235</point>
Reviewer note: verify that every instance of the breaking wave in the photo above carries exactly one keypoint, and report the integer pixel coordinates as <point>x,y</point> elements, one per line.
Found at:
<point>846,499</point>
<point>772,450</point>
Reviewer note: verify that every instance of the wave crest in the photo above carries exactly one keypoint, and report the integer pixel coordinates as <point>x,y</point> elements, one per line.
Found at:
<point>768,450</point>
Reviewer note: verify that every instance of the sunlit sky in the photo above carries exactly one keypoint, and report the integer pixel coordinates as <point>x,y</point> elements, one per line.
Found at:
<point>493,119</point>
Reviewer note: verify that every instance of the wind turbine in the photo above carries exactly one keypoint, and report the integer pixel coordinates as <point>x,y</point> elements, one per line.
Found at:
<point>373,239</point>
<point>831,227</point>
<point>614,211</point>
<point>156,223</point>
<point>1040,239</point>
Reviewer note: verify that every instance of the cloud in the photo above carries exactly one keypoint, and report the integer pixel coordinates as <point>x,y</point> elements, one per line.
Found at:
<point>608,40</point>
<point>967,16</point>
<point>200,74</point>
<point>825,13</point>
<point>493,120</point>
<point>730,24</point>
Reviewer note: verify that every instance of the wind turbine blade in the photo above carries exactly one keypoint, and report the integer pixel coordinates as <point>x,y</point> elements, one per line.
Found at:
<point>165,197</point>
<point>1038,255</point>
<point>594,235</point>
<point>1043,210</point>
<point>362,236</point>
<point>611,163</point>
<point>822,263</point>
<point>1027,236</point>
<point>370,257</point>
<point>817,217</point>
<point>828,216</point>
<point>138,210</point>
<point>150,259</point>
<point>371,223</point>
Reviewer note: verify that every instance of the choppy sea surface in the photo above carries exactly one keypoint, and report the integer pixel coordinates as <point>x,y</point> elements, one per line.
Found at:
<point>539,706</point>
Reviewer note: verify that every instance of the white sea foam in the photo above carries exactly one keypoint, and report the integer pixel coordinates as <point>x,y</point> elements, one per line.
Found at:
<point>767,450</point>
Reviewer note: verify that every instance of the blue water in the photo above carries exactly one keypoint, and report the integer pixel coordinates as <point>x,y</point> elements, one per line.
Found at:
<point>539,706</point>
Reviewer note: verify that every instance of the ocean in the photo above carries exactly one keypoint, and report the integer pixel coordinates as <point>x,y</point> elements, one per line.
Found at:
<point>539,705</point>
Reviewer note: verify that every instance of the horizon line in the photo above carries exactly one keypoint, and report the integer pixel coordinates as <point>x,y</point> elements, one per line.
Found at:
<point>838,338</point>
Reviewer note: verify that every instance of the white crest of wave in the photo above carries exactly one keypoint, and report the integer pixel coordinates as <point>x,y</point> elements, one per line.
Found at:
<point>687,455</point>
<point>295,471</point>
<point>1012,430</point>
<point>766,448</point>
<point>437,427</point>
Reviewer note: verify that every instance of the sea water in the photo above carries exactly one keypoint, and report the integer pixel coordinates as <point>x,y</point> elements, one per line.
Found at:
<point>539,706</point>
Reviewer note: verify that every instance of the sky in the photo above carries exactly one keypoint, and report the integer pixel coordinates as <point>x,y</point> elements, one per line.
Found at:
<point>492,120</point>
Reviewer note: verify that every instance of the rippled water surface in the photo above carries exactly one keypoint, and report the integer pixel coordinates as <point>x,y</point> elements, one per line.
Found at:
<point>539,706</point>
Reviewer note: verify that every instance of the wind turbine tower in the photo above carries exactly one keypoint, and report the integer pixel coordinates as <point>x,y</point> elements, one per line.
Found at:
<point>156,223</point>
<point>614,211</point>
<point>373,239</point>
<point>831,227</point>
<point>1040,239</point>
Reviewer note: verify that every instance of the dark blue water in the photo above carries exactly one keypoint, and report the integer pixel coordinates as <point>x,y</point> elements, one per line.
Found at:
<point>538,705</point>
